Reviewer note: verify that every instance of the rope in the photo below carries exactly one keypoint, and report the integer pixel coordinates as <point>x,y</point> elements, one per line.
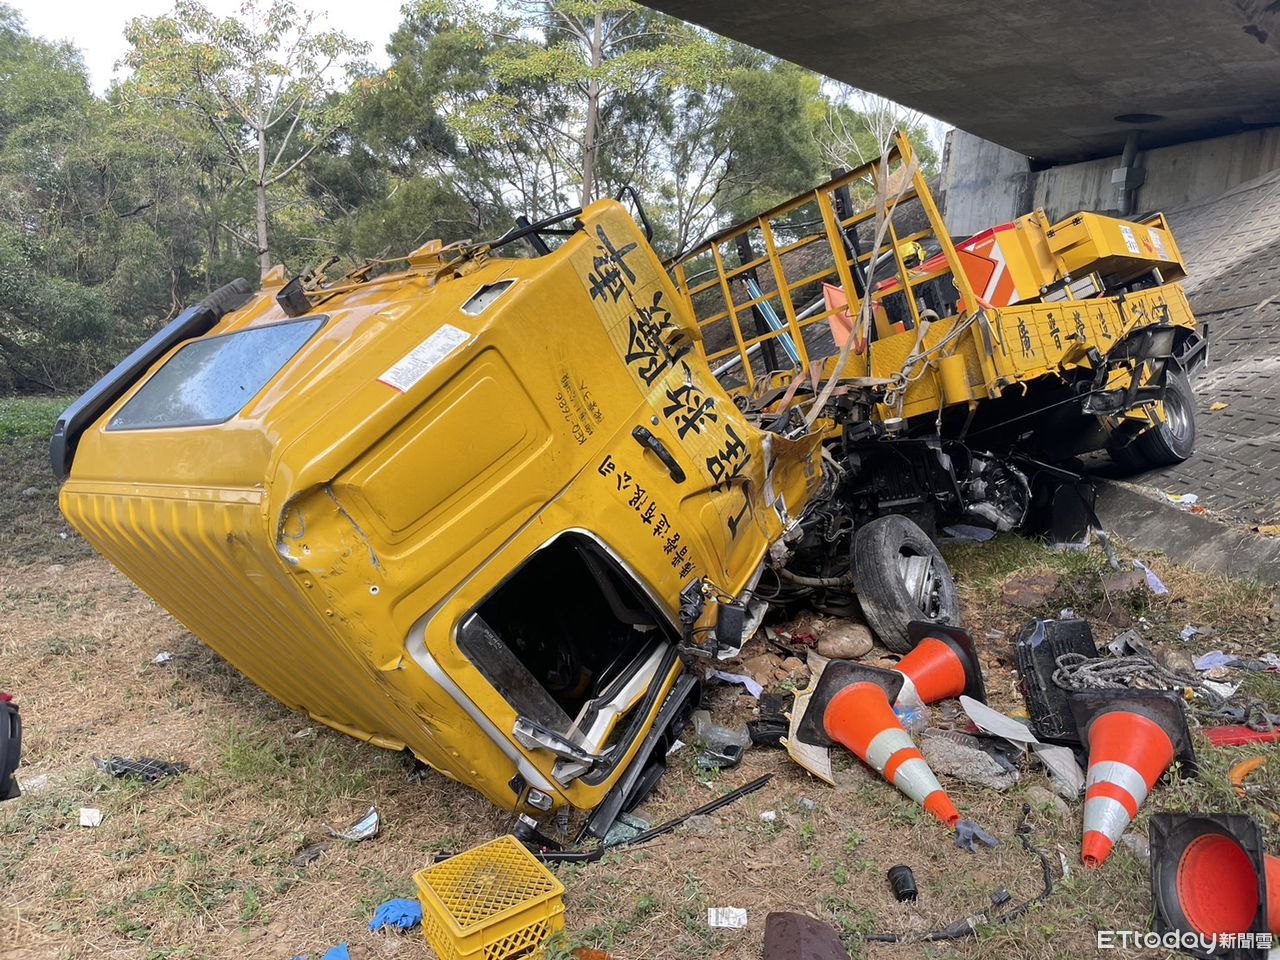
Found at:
<point>1075,671</point>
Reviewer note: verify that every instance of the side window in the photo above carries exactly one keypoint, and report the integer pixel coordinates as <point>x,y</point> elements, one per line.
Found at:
<point>211,380</point>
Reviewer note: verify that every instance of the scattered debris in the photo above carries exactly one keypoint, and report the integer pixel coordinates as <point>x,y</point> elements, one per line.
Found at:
<point>960,756</point>
<point>340,952</point>
<point>1154,583</point>
<point>1126,644</point>
<point>1068,778</point>
<point>1218,405</point>
<point>1030,590</point>
<point>90,817</point>
<point>626,828</point>
<point>770,727</point>
<point>364,828</point>
<point>700,825</point>
<point>1241,771</point>
<point>968,533</point>
<point>1233,735</point>
<point>968,926</point>
<point>1212,660</point>
<point>1188,632</point>
<point>163,657</point>
<point>1183,501</point>
<point>308,855</point>
<point>752,686</point>
<point>1136,844</point>
<point>400,913</point>
<point>1124,581</point>
<point>726,918</point>
<point>903,883</point>
<point>969,835</point>
<point>769,816</point>
<point>306,733</point>
<point>145,768</point>
<point>808,804</point>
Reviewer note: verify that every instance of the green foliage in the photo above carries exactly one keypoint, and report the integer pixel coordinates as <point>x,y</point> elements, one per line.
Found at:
<point>265,131</point>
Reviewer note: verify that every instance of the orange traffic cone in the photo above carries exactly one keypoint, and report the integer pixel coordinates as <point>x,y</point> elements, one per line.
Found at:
<point>1210,875</point>
<point>1133,737</point>
<point>850,706</point>
<point>942,664</point>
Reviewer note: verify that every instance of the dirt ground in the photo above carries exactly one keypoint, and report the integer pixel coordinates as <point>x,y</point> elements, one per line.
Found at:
<point>202,865</point>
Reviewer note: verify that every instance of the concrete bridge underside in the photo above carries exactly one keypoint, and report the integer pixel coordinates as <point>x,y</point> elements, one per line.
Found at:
<point>1050,80</point>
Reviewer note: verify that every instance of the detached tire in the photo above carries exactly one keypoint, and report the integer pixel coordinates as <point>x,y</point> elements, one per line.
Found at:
<point>1172,440</point>
<point>900,576</point>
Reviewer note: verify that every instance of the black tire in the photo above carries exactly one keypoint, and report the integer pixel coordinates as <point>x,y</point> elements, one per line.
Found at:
<point>1170,441</point>
<point>881,548</point>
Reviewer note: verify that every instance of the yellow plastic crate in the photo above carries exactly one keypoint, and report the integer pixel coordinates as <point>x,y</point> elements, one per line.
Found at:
<point>493,902</point>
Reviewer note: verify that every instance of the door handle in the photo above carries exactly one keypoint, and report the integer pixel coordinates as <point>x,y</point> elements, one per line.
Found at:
<point>644,436</point>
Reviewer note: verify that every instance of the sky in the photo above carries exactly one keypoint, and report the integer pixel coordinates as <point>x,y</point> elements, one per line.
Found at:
<point>97,26</point>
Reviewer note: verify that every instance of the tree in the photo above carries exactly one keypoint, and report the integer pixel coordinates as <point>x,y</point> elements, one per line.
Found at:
<point>859,125</point>
<point>741,143</point>
<point>269,84</point>
<point>563,76</point>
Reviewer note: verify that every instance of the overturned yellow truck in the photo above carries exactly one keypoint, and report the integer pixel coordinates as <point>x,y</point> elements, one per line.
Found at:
<point>496,508</point>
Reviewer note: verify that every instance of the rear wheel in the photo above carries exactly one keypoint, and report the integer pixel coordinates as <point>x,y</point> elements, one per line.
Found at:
<point>900,576</point>
<point>1173,437</point>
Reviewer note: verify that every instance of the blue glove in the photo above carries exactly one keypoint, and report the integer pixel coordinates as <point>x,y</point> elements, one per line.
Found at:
<point>339,952</point>
<point>404,914</point>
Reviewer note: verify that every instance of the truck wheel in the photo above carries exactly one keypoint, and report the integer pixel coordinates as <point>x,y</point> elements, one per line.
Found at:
<point>1172,439</point>
<point>900,576</point>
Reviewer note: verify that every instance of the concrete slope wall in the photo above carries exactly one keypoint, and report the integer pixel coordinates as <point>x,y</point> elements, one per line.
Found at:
<point>984,184</point>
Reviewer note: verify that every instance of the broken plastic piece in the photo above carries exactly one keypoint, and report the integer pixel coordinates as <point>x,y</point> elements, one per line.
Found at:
<point>90,817</point>
<point>364,828</point>
<point>164,656</point>
<point>1234,735</point>
<point>969,835</point>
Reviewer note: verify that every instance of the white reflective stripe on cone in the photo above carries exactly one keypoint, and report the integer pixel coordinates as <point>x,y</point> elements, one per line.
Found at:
<point>1121,774</point>
<point>916,780</point>
<point>885,744</point>
<point>1106,815</point>
<point>908,696</point>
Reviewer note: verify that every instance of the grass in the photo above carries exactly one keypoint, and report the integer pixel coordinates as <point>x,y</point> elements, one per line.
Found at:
<point>29,519</point>
<point>202,865</point>
<point>29,418</point>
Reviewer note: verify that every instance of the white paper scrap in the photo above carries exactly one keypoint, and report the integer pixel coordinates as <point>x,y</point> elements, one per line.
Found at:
<point>731,918</point>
